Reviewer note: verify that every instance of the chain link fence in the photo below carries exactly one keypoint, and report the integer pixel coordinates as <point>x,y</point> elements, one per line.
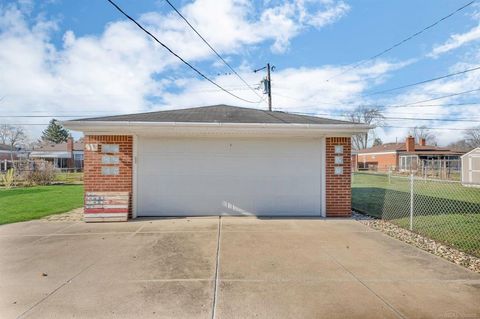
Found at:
<point>37,172</point>
<point>445,211</point>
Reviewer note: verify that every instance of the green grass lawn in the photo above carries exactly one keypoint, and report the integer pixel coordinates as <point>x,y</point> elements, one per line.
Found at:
<point>461,231</point>
<point>443,211</point>
<point>69,178</point>
<point>26,203</point>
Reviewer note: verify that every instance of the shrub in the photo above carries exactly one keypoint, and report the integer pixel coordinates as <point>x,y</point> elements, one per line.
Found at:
<point>43,173</point>
<point>8,178</point>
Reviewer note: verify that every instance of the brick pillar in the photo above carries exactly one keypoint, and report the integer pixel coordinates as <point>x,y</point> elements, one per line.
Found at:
<point>338,186</point>
<point>97,182</point>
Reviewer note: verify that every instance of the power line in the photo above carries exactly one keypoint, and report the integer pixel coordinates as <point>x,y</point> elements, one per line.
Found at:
<point>214,51</point>
<point>412,104</point>
<point>474,120</point>
<point>425,81</point>
<point>370,105</point>
<point>477,120</point>
<point>176,55</point>
<point>380,126</point>
<point>356,65</point>
<point>429,128</point>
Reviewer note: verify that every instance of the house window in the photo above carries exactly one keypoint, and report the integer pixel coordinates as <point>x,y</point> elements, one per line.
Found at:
<point>78,158</point>
<point>110,148</point>
<point>110,170</point>
<point>408,162</point>
<point>60,163</point>
<point>338,159</point>
<point>338,149</point>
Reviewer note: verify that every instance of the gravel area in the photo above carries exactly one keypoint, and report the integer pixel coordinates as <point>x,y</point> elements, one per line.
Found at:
<point>427,244</point>
<point>72,216</point>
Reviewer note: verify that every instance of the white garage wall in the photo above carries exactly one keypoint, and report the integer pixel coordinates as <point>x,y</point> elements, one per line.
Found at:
<point>229,176</point>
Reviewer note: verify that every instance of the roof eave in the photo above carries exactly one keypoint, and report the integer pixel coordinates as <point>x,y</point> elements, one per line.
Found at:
<point>95,126</point>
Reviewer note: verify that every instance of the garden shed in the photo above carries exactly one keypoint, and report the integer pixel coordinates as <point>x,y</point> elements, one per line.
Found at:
<point>471,168</point>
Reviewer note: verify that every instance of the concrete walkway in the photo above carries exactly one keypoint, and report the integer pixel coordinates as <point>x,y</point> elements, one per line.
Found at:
<point>261,268</point>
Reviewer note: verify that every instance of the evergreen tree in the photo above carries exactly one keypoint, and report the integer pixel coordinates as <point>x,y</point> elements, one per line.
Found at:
<point>377,141</point>
<point>55,133</point>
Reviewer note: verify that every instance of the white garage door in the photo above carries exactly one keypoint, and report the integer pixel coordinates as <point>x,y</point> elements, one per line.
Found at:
<point>229,176</point>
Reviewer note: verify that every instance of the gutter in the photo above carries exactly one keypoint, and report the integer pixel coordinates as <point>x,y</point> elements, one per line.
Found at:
<point>95,125</point>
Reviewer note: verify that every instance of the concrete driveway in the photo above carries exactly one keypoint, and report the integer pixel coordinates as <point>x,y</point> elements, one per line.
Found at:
<point>262,268</point>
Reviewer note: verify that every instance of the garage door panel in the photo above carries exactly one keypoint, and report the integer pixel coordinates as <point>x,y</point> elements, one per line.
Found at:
<point>178,177</point>
<point>227,165</point>
<point>217,205</point>
<point>183,185</point>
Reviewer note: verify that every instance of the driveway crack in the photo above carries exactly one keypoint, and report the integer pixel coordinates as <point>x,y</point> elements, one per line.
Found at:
<point>217,265</point>
<point>397,312</point>
<point>22,315</point>
<point>53,234</point>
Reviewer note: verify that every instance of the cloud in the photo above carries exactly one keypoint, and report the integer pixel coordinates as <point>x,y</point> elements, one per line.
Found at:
<point>120,69</point>
<point>294,89</point>
<point>332,14</point>
<point>456,41</point>
<point>438,109</point>
<point>285,21</point>
<point>109,73</point>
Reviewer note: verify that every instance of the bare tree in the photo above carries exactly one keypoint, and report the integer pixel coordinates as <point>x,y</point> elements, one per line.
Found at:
<point>4,129</point>
<point>420,132</point>
<point>12,136</point>
<point>473,137</point>
<point>460,145</point>
<point>366,115</point>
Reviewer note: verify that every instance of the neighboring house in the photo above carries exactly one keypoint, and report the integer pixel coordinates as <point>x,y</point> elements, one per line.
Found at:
<point>5,153</point>
<point>216,160</point>
<point>66,156</point>
<point>471,168</point>
<point>408,156</point>
<point>6,156</point>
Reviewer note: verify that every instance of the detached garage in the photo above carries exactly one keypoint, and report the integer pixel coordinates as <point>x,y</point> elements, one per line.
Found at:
<point>216,160</point>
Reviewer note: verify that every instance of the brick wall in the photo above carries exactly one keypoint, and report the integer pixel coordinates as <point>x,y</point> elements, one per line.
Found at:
<point>379,162</point>
<point>338,187</point>
<point>94,181</point>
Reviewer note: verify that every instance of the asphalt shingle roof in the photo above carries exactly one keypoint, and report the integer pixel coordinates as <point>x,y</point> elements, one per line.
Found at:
<point>220,114</point>
<point>60,147</point>
<point>401,147</point>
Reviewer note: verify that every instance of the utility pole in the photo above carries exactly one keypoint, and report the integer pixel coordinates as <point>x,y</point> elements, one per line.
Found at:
<point>269,88</point>
<point>268,83</point>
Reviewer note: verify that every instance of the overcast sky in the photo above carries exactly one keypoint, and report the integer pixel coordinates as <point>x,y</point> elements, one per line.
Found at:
<point>82,58</point>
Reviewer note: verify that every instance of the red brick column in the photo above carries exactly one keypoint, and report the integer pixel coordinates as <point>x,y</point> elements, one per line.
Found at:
<point>338,187</point>
<point>94,181</point>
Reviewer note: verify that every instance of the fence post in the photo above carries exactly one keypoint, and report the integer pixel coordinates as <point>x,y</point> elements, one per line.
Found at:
<point>411,202</point>
<point>389,175</point>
